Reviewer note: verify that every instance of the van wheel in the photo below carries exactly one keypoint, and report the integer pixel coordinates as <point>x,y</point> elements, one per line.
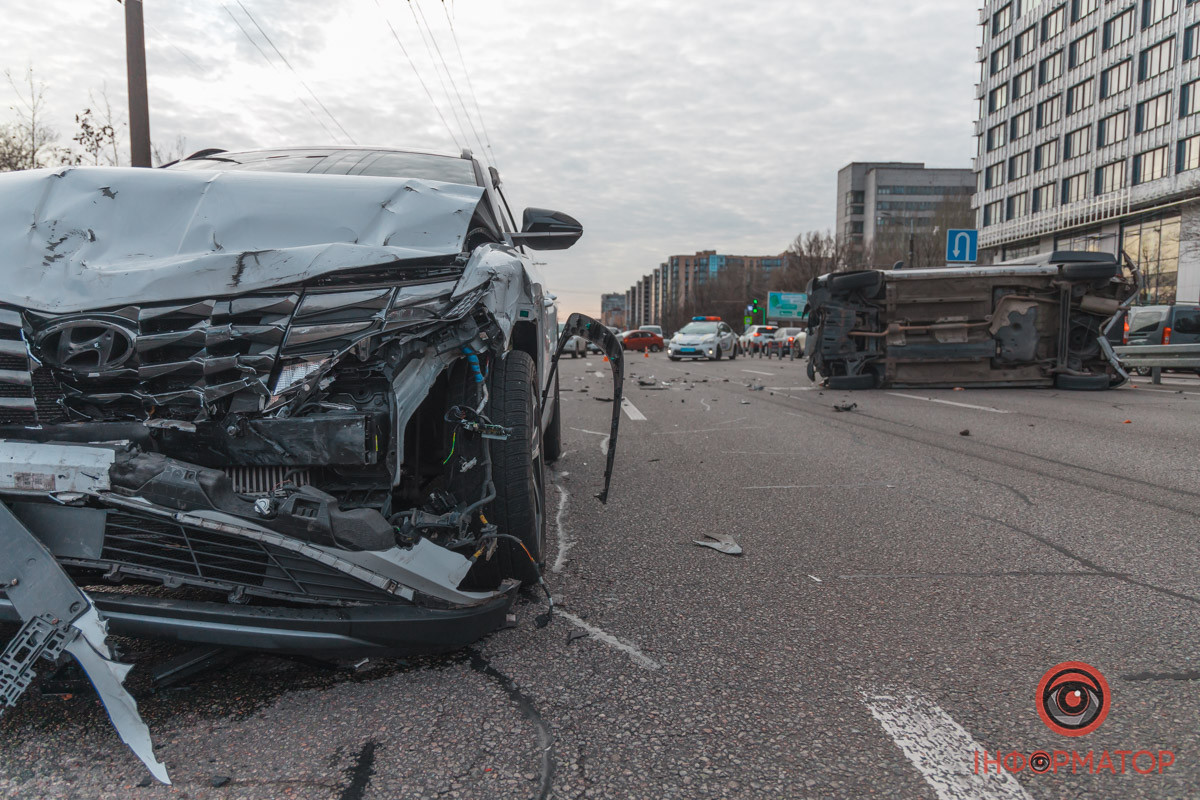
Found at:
<point>1082,383</point>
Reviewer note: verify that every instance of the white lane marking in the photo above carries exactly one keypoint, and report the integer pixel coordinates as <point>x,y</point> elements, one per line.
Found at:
<point>1166,391</point>
<point>948,403</point>
<point>815,578</point>
<point>756,372</point>
<point>603,442</point>
<point>791,388</point>
<point>941,749</point>
<point>709,430</point>
<point>592,433</point>
<point>631,410</point>
<point>822,486</point>
<point>704,403</point>
<point>564,541</point>
<point>604,446</point>
<point>639,658</point>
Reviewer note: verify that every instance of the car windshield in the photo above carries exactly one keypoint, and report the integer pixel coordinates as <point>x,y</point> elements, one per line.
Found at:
<point>694,328</point>
<point>373,163</point>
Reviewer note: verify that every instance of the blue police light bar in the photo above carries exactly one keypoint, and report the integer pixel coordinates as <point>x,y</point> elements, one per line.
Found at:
<point>706,319</point>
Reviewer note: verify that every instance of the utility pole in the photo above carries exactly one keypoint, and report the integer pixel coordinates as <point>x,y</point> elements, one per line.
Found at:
<point>139,101</point>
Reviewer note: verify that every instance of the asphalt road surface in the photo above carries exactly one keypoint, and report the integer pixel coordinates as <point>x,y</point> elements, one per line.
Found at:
<point>911,570</point>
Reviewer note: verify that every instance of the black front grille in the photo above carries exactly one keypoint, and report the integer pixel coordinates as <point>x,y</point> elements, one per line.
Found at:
<point>178,555</point>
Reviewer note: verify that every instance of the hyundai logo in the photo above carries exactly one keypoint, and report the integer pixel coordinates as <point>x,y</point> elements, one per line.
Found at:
<point>86,345</point>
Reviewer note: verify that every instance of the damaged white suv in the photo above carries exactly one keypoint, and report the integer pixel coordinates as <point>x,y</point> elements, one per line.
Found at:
<point>291,400</point>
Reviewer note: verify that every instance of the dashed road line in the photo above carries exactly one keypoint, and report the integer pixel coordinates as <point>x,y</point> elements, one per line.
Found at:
<point>757,372</point>
<point>941,749</point>
<point>949,403</point>
<point>710,430</point>
<point>823,486</point>
<point>638,657</point>
<point>631,410</point>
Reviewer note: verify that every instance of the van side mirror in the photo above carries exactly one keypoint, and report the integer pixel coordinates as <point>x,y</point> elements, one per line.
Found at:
<point>542,229</point>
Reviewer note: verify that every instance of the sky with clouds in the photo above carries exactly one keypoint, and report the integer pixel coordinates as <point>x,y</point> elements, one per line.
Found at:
<point>665,127</point>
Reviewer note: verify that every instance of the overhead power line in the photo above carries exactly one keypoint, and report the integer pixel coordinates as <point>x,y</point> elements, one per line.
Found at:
<point>417,72</point>
<point>267,58</point>
<point>433,60</point>
<point>288,64</point>
<point>470,86</point>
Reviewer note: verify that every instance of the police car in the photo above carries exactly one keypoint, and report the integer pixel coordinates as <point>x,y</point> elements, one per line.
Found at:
<point>703,337</point>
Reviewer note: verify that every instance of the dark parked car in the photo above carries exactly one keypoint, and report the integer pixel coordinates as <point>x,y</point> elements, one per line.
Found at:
<point>781,343</point>
<point>289,400</point>
<point>1041,322</point>
<point>1163,324</point>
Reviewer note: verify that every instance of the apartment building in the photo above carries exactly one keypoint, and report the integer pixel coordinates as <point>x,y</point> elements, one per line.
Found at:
<point>878,198</point>
<point>1089,134</point>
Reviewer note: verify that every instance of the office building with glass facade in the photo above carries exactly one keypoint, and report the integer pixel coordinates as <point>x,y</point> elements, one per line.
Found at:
<point>1089,134</point>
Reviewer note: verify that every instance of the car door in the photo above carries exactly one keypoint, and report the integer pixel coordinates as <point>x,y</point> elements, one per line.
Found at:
<point>725,336</point>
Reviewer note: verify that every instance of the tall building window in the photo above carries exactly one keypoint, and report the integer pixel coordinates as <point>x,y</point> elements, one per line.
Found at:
<point>1113,128</point>
<point>1157,59</point>
<point>1189,154</point>
<point>993,176</point>
<point>1074,188</point>
<point>1002,20</point>
<point>998,99</point>
<point>1046,155</point>
<point>1018,166</point>
<point>1050,68</point>
<point>1151,165</point>
<point>1017,205</point>
<point>1116,78</point>
<point>1154,247</point>
<point>1025,42</point>
<point>1083,49</point>
<point>1000,59</point>
<point>1081,96</point>
<point>1153,113</point>
<point>1049,111</point>
<point>1119,28</point>
<point>1189,99</point>
<point>1190,43</point>
<point>1043,198</point>
<point>1110,177</point>
<point>1078,142</point>
<point>1157,10</point>
<point>993,213</point>
<point>1022,125</point>
<point>1082,8</point>
<point>1023,84</point>
<point>996,136</point>
<point>1054,23</point>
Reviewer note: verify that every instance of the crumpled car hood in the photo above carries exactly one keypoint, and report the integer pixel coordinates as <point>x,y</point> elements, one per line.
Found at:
<point>80,238</point>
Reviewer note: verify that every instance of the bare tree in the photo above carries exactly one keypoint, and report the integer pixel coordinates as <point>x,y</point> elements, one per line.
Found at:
<point>169,154</point>
<point>28,143</point>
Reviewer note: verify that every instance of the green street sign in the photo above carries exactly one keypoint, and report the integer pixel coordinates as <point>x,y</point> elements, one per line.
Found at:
<point>747,320</point>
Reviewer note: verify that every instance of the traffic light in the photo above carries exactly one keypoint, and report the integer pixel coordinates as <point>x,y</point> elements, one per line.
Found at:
<point>754,306</point>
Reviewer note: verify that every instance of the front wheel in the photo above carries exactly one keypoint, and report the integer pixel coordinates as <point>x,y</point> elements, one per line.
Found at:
<point>717,354</point>
<point>655,348</point>
<point>733,352</point>
<point>518,471</point>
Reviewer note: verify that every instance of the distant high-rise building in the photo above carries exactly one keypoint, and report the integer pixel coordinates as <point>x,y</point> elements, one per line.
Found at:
<point>1089,134</point>
<point>875,198</point>
<point>612,309</point>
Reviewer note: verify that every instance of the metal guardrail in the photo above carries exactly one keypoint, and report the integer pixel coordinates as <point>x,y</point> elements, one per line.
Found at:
<point>1158,357</point>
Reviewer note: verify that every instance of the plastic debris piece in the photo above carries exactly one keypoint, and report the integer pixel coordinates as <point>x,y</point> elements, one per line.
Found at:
<point>964,433</point>
<point>575,635</point>
<point>757,388</point>
<point>845,406</point>
<point>1127,422</point>
<point>220,780</point>
<point>721,542</point>
<point>959,389</point>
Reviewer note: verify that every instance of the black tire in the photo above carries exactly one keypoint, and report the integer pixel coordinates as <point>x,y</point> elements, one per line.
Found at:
<point>1090,272</point>
<point>673,358</point>
<point>867,279</point>
<point>519,507</point>
<point>655,348</point>
<point>851,382</point>
<point>716,354</point>
<point>552,448</point>
<point>1082,383</point>
<point>733,352</point>
<point>811,370</point>
<point>574,354</point>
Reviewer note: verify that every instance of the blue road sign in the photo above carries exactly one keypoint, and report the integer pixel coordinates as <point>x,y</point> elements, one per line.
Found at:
<point>962,246</point>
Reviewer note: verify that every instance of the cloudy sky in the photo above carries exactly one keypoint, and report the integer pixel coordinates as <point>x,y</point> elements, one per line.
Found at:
<point>664,126</point>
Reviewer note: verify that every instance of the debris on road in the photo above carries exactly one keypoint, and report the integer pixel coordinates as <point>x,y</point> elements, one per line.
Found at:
<point>845,406</point>
<point>964,433</point>
<point>721,542</point>
<point>576,635</point>
<point>603,399</point>
<point>757,388</point>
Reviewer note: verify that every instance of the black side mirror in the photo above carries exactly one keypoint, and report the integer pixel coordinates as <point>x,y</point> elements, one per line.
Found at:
<point>542,229</point>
